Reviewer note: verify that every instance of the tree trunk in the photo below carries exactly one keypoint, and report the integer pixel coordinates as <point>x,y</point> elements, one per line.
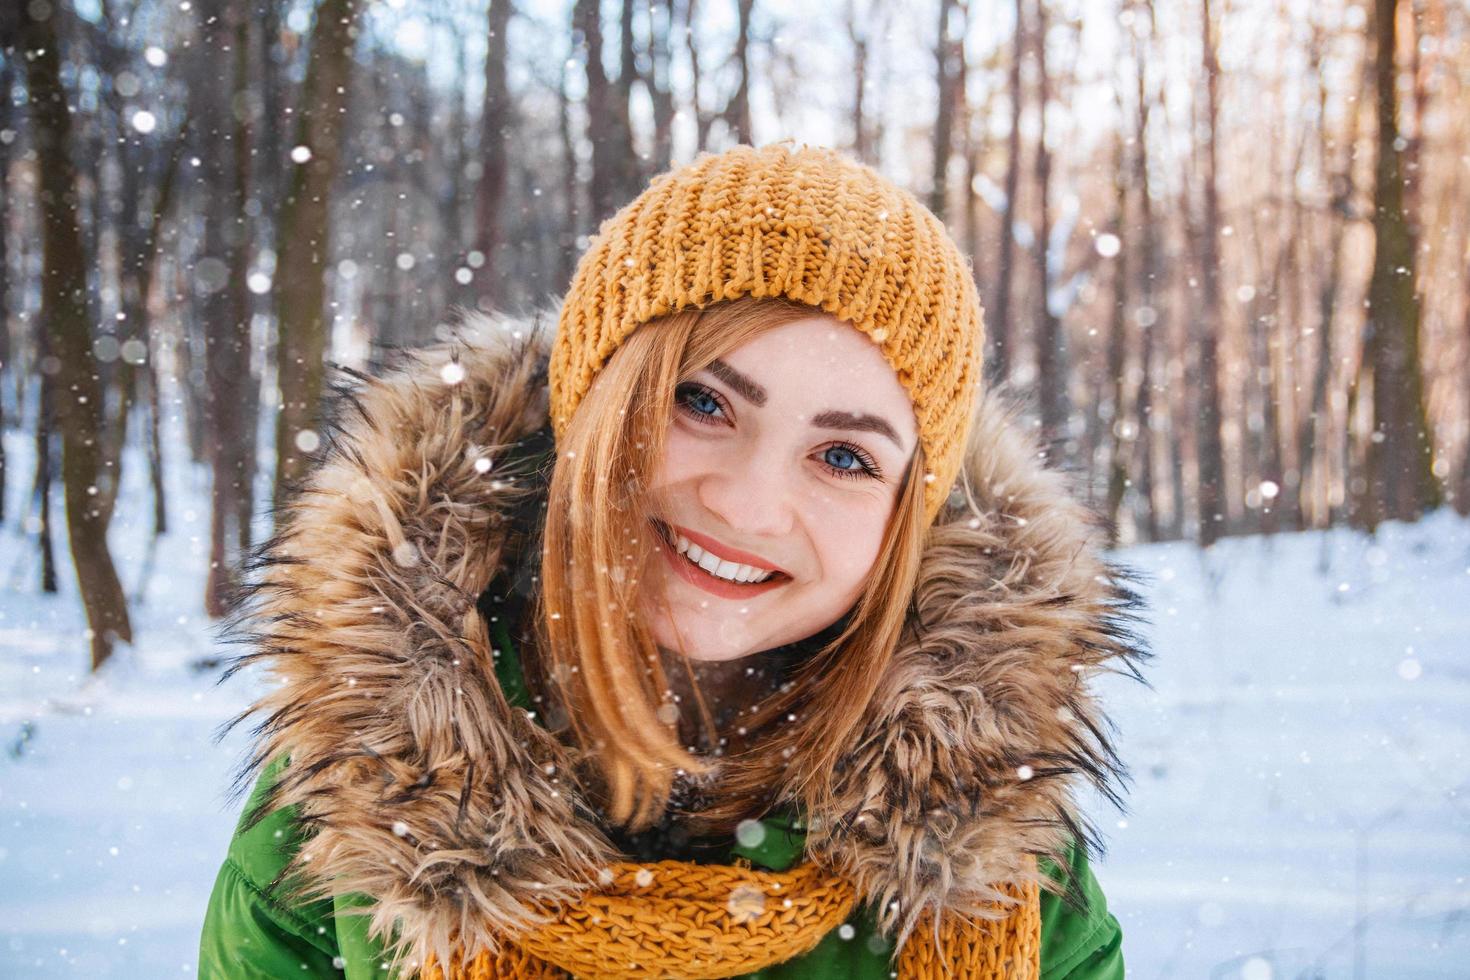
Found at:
<point>45,468</point>
<point>1002,352</point>
<point>858,37</point>
<point>155,453</point>
<point>628,74</point>
<point>949,54</point>
<point>1284,349</point>
<point>661,82</point>
<point>1210,462</point>
<point>1462,497</point>
<point>607,121</point>
<point>1051,360</point>
<point>5,268</point>
<point>497,119</point>
<point>137,265</point>
<point>1315,434</point>
<point>974,149</point>
<point>737,111</point>
<point>273,82</point>
<point>6,74</point>
<point>702,119</point>
<point>64,309</point>
<point>226,311</point>
<point>1401,482</point>
<point>571,186</point>
<point>1119,437</point>
<point>1147,273</point>
<point>304,241</point>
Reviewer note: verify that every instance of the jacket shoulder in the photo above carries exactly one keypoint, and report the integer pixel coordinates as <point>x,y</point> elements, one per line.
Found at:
<point>251,928</point>
<point>262,850</point>
<point>1080,938</point>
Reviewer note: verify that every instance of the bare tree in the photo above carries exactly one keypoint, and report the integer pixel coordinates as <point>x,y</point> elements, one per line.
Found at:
<point>7,71</point>
<point>1117,438</point>
<point>628,76</point>
<point>1330,461</point>
<point>1210,462</point>
<point>64,298</point>
<point>659,81</point>
<point>1002,345</point>
<point>45,455</point>
<point>1051,362</point>
<point>304,236</point>
<point>146,178</point>
<point>497,121</point>
<point>1401,482</point>
<point>571,187</point>
<point>949,51</point>
<point>1229,320</point>
<point>703,119</point>
<point>860,38</point>
<point>224,50</point>
<point>737,110</point>
<point>1146,270</point>
<point>974,115</point>
<point>613,162</point>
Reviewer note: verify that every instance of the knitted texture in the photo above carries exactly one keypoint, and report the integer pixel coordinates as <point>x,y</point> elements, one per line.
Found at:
<point>691,921</point>
<point>979,949</point>
<point>808,224</point>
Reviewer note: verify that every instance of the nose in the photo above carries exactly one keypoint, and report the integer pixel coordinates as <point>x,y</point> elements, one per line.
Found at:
<point>752,495</point>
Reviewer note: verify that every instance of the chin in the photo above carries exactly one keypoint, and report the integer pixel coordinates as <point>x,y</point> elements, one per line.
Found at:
<point>706,641</point>
<point>713,652</point>
<point>717,656</point>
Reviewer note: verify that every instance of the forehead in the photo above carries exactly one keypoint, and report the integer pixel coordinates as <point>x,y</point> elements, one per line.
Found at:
<point>819,363</point>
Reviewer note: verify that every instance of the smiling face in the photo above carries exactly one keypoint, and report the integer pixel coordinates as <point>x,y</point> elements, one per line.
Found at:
<point>787,454</point>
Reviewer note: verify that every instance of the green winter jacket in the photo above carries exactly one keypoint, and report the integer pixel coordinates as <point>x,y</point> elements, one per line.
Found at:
<point>249,934</point>
<point>408,750</point>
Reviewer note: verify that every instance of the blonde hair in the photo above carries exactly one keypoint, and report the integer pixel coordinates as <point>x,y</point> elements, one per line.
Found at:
<point>600,660</point>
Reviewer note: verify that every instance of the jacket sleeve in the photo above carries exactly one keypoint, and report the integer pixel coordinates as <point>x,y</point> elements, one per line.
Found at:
<point>1079,944</point>
<point>249,934</point>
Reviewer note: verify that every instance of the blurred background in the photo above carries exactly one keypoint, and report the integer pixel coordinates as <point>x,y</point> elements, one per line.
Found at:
<point>1224,250</point>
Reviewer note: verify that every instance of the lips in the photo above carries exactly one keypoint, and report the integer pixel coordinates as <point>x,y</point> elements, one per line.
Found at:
<point>720,550</point>
<point>697,576</point>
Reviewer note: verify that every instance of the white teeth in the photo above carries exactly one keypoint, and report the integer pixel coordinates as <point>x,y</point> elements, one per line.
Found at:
<point>730,570</point>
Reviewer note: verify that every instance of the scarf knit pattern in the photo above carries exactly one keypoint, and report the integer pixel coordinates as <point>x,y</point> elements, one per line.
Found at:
<point>693,921</point>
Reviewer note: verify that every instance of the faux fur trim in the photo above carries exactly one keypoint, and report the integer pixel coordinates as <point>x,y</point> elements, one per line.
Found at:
<point>424,790</point>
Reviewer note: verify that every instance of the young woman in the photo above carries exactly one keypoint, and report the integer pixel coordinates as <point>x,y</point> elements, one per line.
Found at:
<point>729,630</point>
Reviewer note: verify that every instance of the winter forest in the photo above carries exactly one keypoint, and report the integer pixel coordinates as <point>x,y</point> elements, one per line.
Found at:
<point>1224,253</point>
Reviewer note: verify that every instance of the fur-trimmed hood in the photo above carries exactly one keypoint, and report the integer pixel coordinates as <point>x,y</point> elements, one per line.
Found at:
<point>423,789</point>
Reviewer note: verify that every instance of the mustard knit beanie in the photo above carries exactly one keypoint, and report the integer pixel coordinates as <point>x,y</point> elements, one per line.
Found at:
<point>805,223</point>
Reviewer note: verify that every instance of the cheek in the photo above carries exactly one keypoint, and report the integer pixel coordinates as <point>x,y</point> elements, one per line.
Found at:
<point>850,539</point>
<point>681,460</point>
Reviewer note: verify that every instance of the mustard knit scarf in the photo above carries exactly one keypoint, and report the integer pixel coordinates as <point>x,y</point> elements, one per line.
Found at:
<point>677,919</point>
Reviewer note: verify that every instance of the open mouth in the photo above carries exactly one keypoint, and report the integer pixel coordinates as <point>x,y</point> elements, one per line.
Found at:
<point>700,575</point>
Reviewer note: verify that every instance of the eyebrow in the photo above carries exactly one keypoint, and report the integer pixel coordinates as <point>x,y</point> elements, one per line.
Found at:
<point>752,392</point>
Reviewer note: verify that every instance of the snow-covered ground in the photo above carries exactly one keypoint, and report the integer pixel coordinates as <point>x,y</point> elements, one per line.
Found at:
<point>113,811</point>
<point>1301,798</point>
<point>1301,804</point>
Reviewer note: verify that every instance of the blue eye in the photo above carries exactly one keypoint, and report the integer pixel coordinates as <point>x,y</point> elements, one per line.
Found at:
<point>700,404</point>
<point>868,468</point>
<point>688,395</point>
